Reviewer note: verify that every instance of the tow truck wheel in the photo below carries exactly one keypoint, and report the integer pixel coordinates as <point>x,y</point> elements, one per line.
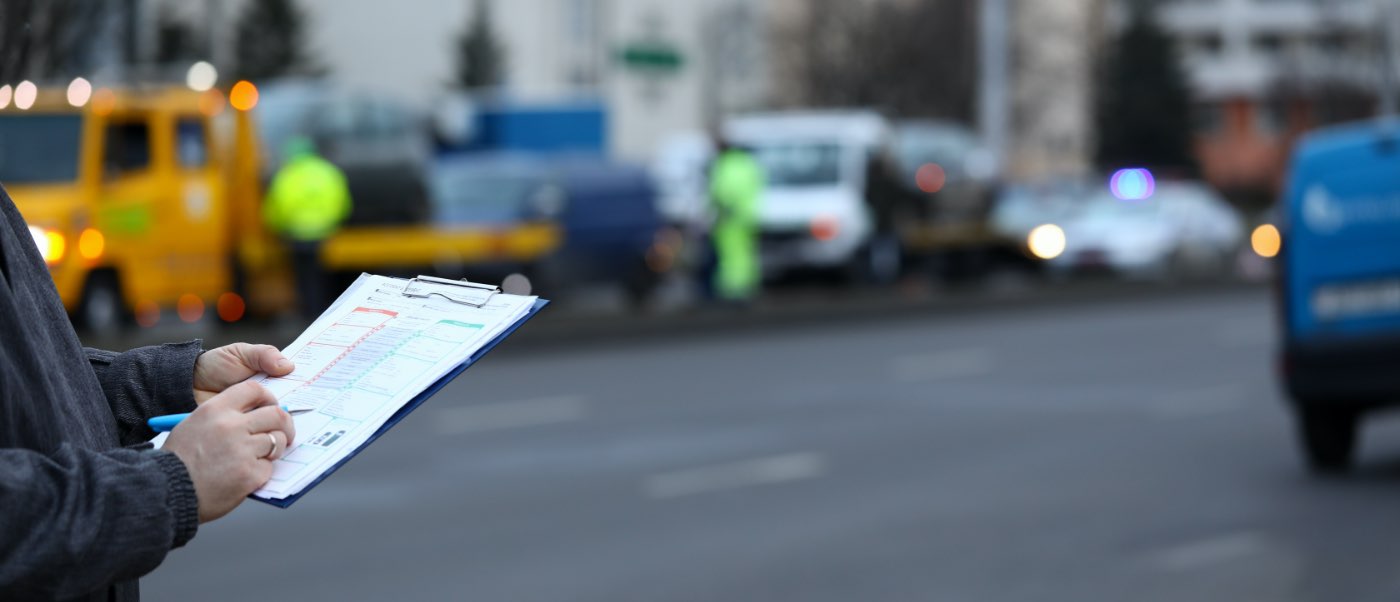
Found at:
<point>1328,437</point>
<point>101,311</point>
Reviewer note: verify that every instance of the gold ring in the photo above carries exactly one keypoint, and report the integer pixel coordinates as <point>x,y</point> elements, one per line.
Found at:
<point>273,449</point>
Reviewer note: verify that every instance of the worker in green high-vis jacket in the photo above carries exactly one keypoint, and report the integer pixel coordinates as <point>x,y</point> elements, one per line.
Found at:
<point>736,188</point>
<point>306,203</point>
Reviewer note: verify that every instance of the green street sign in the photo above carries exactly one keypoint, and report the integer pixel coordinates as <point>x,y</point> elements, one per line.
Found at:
<point>653,57</point>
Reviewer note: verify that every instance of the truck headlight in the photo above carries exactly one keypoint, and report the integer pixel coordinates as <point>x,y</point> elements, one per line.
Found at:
<point>50,243</point>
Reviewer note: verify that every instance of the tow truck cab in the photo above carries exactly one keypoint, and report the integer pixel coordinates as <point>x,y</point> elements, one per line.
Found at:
<point>136,205</point>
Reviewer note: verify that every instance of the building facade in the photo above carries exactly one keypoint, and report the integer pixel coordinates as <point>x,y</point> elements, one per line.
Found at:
<point>658,66</point>
<point>1263,71</point>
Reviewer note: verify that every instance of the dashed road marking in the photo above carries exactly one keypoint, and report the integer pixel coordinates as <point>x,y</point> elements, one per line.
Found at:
<point>734,475</point>
<point>1202,401</point>
<point>957,363</point>
<point>511,414</point>
<point>1211,551</point>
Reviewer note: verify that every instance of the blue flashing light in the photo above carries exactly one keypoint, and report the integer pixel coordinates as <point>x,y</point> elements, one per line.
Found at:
<point>1132,184</point>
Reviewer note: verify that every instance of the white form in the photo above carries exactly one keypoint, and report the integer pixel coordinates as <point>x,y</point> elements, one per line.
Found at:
<point>372,352</point>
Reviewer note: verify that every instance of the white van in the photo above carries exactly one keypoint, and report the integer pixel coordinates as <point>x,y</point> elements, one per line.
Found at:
<point>813,212</point>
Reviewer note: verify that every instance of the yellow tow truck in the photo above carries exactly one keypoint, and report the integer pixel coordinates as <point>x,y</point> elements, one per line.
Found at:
<point>146,200</point>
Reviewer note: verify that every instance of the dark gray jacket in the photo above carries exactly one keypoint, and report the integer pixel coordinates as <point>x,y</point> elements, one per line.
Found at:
<point>81,517</point>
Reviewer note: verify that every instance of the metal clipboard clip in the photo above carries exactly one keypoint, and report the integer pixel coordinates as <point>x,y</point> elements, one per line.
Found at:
<point>462,292</point>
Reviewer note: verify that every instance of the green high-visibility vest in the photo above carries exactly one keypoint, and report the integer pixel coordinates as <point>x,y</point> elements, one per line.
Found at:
<point>736,187</point>
<point>308,199</point>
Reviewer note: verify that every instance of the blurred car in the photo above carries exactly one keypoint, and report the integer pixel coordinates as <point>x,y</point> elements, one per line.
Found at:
<point>382,146</point>
<point>968,168</point>
<point>1183,228</point>
<point>813,213</point>
<point>1340,286</point>
<point>612,230</point>
<point>1020,208</point>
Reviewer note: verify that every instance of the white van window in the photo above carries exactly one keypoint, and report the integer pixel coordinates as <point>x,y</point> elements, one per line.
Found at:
<point>800,164</point>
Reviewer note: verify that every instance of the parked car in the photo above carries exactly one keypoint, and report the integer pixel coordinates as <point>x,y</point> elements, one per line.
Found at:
<point>1020,208</point>
<point>1183,228</point>
<point>612,232</point>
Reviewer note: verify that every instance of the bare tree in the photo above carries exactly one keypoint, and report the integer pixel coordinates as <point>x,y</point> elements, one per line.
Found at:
<point>908,58</point>
<point>42,39</point>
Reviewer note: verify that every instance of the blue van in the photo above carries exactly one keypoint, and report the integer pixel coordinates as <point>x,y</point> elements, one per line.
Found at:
<point>1339,285</point>
<point>613,232</point>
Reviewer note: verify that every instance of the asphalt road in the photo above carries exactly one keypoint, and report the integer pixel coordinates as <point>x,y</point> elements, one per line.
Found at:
<point>1132,450</point>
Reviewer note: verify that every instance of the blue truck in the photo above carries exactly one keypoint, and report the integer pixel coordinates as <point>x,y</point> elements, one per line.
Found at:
<point>1339,286</point>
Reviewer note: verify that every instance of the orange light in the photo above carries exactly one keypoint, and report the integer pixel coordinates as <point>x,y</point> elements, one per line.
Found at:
<point>104,100</point>
<point>147,313</point>
<point>930,177</point>
<point>1266,241</point>
<point>230,307</point>
<point>56,247</point>
<point>824,228</point>
<point>211,103</point>
<point>243,96</point>
<point>190,308</point>
<point>91,244</point>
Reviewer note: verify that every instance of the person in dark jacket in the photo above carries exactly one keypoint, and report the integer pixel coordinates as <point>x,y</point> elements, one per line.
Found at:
<point>86,505</point>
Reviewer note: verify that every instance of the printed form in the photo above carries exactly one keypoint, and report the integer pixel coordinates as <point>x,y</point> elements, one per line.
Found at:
<point>366,357</point>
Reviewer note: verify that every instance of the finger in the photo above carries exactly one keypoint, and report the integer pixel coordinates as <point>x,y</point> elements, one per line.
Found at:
<point>267,418</point>
<point>262,446</point>
<point>244,396</point>
<point>263,358</point>
<point>279,446</point>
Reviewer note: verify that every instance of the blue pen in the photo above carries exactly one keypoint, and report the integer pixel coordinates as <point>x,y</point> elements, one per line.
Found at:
<point>161,424</point>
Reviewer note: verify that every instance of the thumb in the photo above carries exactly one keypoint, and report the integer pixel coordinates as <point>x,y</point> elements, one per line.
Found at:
<point>263,358</point>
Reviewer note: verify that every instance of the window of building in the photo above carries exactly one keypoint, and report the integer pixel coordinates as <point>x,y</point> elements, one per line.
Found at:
<point>1207,118</point>
<point>1270,118</point>
<point>1270,44</point>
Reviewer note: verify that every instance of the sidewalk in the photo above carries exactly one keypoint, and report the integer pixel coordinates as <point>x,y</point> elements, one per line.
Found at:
<point>566,324</point>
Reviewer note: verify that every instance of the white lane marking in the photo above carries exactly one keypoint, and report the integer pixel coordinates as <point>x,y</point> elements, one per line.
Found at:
<point>758,471</point>
<point>1211,551</point>
<point>1200,401</point>
<point>510,414</point>
<point>958,363</point>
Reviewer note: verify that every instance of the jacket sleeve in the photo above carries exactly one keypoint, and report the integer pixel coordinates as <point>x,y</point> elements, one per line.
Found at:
<point>146,382</point>
<point>76,521</point>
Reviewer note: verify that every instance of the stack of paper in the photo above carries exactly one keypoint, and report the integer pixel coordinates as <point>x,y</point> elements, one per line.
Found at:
<point>374,351</point>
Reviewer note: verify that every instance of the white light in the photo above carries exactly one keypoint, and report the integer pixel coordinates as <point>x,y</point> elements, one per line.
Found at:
<point>41,240</point>
<point>79,92</point>
<point>1046,241</point>
<point>6,92</point>
<point>25,95</point>
<point>201,77</point>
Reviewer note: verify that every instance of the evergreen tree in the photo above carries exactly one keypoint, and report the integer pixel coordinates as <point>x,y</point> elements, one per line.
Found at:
<point>479,55</point>
<point>1144,105</point>
<point>270,41</point>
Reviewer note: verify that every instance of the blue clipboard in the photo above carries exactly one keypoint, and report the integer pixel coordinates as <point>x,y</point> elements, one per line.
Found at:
<point>409,407</point>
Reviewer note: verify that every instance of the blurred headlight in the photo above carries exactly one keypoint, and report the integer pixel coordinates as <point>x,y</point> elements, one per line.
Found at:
<point>1046,241</point>
<point>50,243</point>
<point>1266,241</point>
<point>91,244</point>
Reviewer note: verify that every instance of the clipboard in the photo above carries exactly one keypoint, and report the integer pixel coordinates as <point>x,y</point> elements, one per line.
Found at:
<point>425,394</point>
